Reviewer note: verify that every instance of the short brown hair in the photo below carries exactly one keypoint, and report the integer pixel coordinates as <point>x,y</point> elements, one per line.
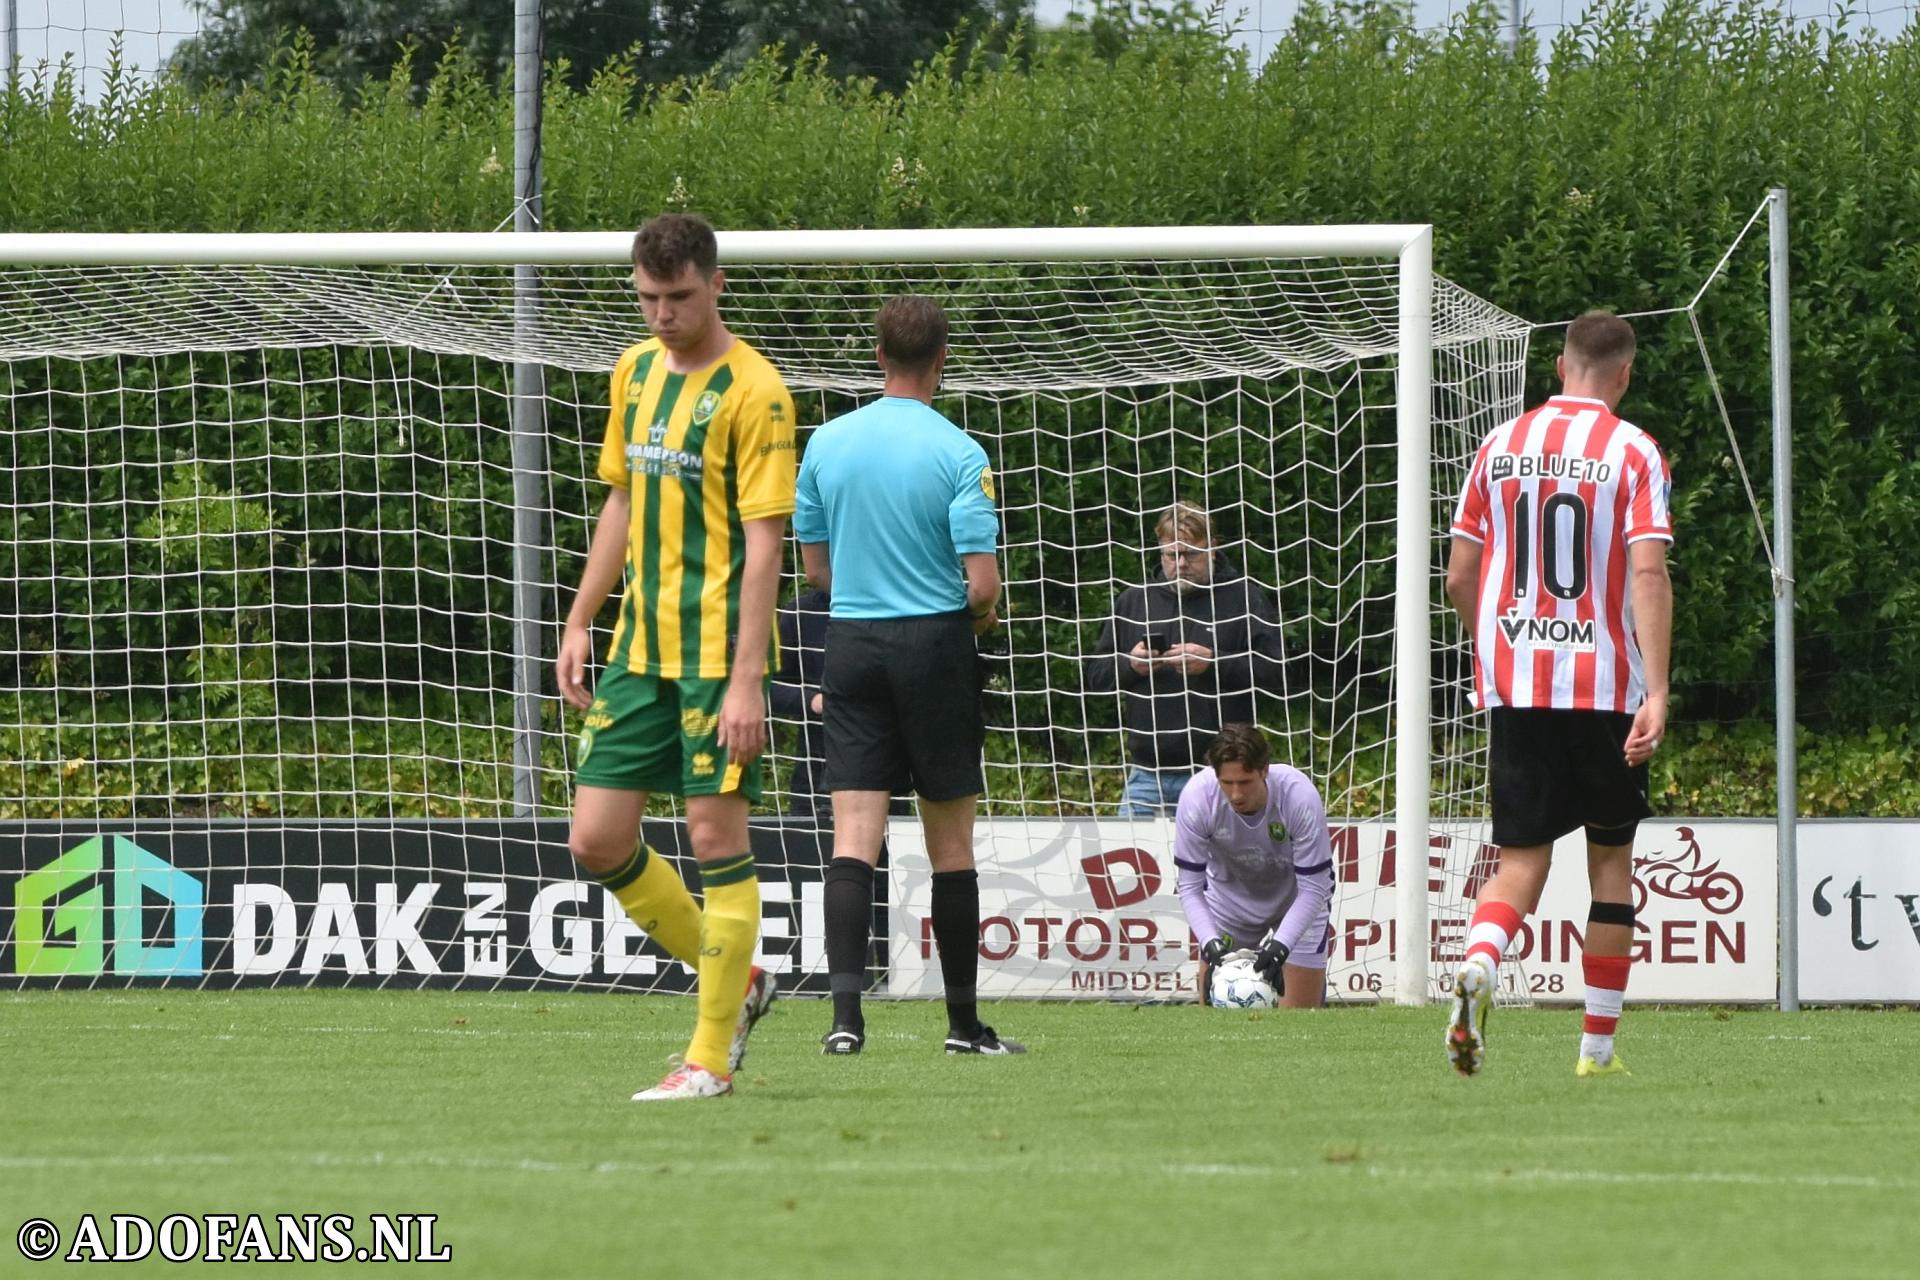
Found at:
<point>1242,744</point>
<point>1599,340</point>
<point>911,331</point>
<point>1187,522</point>
<point>668,244</point>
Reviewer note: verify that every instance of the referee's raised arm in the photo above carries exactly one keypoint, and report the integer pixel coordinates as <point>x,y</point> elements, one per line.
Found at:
<point>895,515</point>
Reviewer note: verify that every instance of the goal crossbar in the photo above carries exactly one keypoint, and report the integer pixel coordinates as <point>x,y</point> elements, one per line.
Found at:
<point>599,248</point>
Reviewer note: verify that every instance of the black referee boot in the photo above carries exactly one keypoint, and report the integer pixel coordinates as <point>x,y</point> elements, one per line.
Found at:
<point>983,1040</point>
<point>842,1041</point>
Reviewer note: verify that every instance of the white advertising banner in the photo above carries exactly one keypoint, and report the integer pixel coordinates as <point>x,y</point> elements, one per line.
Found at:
<point>1706,896</point>
<point>1085,909</point>
<point>1069,908</point>
<point>1859,911</point>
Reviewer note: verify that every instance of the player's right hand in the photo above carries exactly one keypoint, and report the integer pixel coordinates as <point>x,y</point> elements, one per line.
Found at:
<point>570,668</point>
<point>1649,726</point>
<point>1216,950</point>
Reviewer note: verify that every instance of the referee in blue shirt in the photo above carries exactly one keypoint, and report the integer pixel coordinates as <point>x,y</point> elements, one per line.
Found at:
<point>895,517</point>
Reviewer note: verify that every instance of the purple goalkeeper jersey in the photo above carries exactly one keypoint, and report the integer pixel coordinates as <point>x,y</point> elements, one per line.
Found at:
<point>1266,874</point>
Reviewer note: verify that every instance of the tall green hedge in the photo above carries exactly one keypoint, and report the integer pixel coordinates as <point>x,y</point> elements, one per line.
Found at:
<point>1611,169</point>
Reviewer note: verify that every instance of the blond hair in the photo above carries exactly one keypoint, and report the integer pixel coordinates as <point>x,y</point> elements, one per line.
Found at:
<point>1184,522</point>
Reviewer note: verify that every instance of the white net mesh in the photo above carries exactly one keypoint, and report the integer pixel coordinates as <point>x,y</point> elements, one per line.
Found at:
<point>260,561</point>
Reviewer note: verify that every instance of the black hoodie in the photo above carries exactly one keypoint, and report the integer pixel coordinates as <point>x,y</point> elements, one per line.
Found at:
<point>1171,717</point>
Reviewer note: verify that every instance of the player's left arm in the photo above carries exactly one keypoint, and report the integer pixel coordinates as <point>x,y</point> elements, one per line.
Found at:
<point>973,524</point>
<point>817,565</point>
<point>1652,588</point>
<point>1649,530</point>
<point>1312,850</point>
<point>743,714</point>
<point>763,451</point>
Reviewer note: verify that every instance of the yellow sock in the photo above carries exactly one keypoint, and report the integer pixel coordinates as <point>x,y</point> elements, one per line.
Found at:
<point>651,892</point>
<point>728,928</point>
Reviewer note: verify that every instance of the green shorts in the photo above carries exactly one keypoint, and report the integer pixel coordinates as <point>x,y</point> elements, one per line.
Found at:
<point>651,733</point>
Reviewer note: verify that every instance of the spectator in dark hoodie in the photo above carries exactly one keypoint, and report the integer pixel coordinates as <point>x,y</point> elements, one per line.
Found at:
<point>1185,653</point>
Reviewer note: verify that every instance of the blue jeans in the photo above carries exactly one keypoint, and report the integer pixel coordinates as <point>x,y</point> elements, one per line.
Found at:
<point>1153,792</point>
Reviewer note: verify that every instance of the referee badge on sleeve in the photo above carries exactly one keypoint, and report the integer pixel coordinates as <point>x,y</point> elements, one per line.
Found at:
<point>986,484</point>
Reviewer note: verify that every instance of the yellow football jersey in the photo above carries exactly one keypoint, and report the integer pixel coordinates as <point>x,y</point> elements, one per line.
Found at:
<point>698,454</point>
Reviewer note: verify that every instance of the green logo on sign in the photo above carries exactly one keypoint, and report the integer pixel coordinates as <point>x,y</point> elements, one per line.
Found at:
<point>55,936</point>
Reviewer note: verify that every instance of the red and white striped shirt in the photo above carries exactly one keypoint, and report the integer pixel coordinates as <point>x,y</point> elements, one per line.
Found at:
<point>1555,497</point>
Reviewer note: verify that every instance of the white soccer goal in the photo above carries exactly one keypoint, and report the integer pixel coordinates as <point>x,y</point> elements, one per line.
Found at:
<point>287,535</point>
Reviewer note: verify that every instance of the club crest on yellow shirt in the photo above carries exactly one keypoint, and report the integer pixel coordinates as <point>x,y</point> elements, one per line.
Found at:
<point>705,407</point>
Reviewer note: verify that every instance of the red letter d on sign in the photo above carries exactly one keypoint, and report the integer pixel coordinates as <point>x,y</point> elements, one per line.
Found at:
<point>1137,862</point>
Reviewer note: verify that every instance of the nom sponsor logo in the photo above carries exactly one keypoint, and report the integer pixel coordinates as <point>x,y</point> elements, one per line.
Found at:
<point>1575,635</point>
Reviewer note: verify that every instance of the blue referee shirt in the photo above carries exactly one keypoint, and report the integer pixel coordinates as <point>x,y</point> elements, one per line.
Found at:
<point>898,494</point>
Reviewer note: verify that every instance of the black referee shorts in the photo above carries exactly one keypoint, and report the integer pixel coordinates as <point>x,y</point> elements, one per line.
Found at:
<point>902,706</point>
<point>1556,771</point>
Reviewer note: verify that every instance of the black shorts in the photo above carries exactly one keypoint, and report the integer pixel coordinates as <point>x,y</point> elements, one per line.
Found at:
<point>1556,771</point>
<point>902,706</point>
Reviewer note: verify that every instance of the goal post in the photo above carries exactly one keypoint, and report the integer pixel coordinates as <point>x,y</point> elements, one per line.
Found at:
<point>1239,338</point>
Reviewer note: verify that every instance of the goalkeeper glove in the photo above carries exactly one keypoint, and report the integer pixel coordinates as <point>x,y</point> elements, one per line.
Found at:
<point>1216,950</point>
<point>1270,964</point>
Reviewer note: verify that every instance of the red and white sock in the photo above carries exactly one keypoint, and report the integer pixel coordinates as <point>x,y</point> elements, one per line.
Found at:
<point>1494,924</point>
<point>1606,993</point>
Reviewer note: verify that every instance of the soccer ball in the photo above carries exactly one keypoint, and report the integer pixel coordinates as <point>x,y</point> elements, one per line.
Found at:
<point>1235,985</point>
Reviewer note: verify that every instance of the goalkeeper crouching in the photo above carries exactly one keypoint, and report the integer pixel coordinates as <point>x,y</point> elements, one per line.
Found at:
<point>1256,866</point>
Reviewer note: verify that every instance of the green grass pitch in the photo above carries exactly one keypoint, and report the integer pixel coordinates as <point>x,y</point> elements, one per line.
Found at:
<point>1165,1142</point>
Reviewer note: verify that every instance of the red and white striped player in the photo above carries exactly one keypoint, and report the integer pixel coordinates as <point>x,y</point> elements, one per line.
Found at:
<point>1559,569</point>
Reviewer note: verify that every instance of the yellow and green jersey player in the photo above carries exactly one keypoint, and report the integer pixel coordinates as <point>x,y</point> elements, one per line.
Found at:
<point>699,460</point>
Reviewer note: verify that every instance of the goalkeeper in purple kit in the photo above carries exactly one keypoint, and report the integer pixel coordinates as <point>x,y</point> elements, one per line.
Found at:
<point>1256,866</point>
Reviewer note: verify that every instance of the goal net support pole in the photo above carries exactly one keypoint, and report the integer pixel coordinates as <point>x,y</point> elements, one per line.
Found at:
<point>1412,613</point>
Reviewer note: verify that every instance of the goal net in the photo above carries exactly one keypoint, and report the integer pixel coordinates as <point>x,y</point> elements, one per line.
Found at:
<point>289,522</point>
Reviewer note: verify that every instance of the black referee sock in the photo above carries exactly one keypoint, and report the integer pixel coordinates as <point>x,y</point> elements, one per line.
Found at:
<point>956,931</point>
<point>849,912</point>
